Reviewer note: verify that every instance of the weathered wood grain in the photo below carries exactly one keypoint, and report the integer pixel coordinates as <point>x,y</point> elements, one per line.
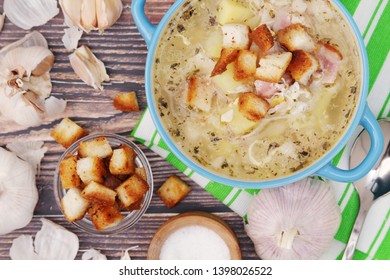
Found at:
<point>124,52</point>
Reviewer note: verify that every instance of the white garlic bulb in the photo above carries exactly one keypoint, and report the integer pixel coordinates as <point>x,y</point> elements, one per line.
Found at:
<point>297,221</point>
<point>92,14</point>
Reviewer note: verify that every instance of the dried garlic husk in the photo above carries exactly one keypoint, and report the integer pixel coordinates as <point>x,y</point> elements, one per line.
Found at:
<point>18,192</point>
<point>297,221</point>
<point>126,255</point>
<point>32,152</point>
<point>94,255</point>
<point>2,18</point>
<point>52,242</point>
<point>88,67</point>
<point>92,15</point>
<point>27,14</point>
<point>72,37</point>
<point>25,80</point>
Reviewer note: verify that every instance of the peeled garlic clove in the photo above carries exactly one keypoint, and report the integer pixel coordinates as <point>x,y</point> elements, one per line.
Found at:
<point>88,15</point>
<point>31,152</point>
<point>2,18</point>
<point>52,242</point>
<point>88,67</point>
<point>18,192</point>
<point>297,221</point>
<point>72,37</point>
<point>27,14</point>
<point>94,255</point>
<point>108,12</point>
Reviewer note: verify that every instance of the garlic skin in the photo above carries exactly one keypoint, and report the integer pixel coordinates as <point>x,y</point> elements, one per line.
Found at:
<point>52,242</point>
<point>297,221</point>
<point>94,255</point>
<point>25,80</point>
<point>18,192</point>
<point>88,67</point>
<point>92,14</point>
<point>126,256</point>
<point>71,38</point>
<point>2,18</point>
<point>31,152</point>
<point>27,14</point>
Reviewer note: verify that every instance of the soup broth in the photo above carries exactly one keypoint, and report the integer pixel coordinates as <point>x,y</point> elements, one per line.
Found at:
<point>282,125</point>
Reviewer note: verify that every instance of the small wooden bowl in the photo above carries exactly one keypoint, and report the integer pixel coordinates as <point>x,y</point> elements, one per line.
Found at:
<point>194,219</point>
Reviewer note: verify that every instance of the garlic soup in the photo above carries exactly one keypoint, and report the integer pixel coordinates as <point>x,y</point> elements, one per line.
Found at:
<point>256,90</point>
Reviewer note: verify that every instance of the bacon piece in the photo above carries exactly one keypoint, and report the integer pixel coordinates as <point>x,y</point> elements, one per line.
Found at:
<point>330,59</point>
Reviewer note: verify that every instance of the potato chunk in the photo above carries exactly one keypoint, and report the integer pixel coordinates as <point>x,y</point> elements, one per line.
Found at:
<point>230,11</point>
<point>98,193</point>
<point>67,132</point>
<point>91,169</point>
<point>68,173</point>
<point>122,161</point>
<point>98,147</point>
<point>132,190</point>
<point>173,191</point>
<point>73,205</point>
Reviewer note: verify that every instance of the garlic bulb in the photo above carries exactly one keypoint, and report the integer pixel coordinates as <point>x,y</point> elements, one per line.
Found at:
<point>88,67</point>
<point>25,80</point>
<point>52,242</point>
<point>27,14</point>
<point>297,221</point>
<point>92,14</point>
<point>32,152</point>
<point>93,254</point>
<point>18,192</point>
<point>2,18</point>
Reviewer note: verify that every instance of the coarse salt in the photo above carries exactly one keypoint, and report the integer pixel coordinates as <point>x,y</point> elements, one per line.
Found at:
<point>194,243</point>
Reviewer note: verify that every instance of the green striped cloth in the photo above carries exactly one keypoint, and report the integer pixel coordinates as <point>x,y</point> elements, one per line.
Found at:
<point>373,20</point>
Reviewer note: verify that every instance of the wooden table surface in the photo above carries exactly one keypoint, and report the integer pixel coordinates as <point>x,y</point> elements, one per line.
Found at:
<point>123,51</point>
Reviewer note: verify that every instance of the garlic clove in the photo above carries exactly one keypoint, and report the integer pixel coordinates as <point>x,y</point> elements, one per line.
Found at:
<point>54,242</point>
<point>297,221</point>
<point>88,67</point>
<point>41,85</point>
<point>2,18</point>
<point>18,192</point>
<point>72,11</point>
<point>31,152</point>
<point>88,15</point>
<point>27,14</point>
<point>94,255</point>
<point>108,12</point>
<point>72,37</point>
<point>35,101</point>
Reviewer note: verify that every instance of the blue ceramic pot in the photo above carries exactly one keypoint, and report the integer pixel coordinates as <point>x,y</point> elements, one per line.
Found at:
<point>322,167</point>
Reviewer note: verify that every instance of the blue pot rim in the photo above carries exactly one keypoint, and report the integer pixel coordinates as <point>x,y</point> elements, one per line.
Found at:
<point>308,171</point>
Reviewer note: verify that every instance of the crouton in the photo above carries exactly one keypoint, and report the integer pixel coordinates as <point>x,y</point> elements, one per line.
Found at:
<point>91,169</point>
<point>295,37</point>
<point>199,93</point>
<point>104,217</point>
<point>252,107</point>
<point>141,171</point>
<point>302,66</point>
<point>98,147</point>
<point>227,57</point>
<point>173,191</point>
<point>132,190</point>
<point>134,206</point>
<point>112,181</point>
<point>126,102</point>
<point>122,161</point>
<point>68,173</point>
<point>73,205</point>
<point>245,65</point>
<point>67,132</point>
<point>98,193</point>
<point>263,38</point>
<point>236,36</point>
<point>273,66</point>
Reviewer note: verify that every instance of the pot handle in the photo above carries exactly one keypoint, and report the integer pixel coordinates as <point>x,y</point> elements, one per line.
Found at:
<point>145,27</point>
<point>371,125</point>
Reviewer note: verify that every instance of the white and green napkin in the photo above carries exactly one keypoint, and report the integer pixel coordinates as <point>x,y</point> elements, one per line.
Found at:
<point>373,20</point>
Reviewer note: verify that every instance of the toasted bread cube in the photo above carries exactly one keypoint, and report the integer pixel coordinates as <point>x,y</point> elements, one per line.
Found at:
<point>263,38</point>
<point>91,169</point>
<point>273,66</point>
<point>126,102</point>
<point>98,147</point>
<point>67,132</point>
<point>98,193</point>
<point>245,65</point>
<point>173,191</point>
<point>199,93</point>
<point>134,206</point>
<point>236,36</point>
<point>253,107</point>
<point>68,173</point>
<point>231,11</point>
<point>295,37</point>
<point>104,217</point>
<point>302,66</point>
<point>112,181</point>
<point>141,171</point>
<point>132,190</point>
<point>122,161</point>
<point>73,205</point>
<point>227,57</point>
